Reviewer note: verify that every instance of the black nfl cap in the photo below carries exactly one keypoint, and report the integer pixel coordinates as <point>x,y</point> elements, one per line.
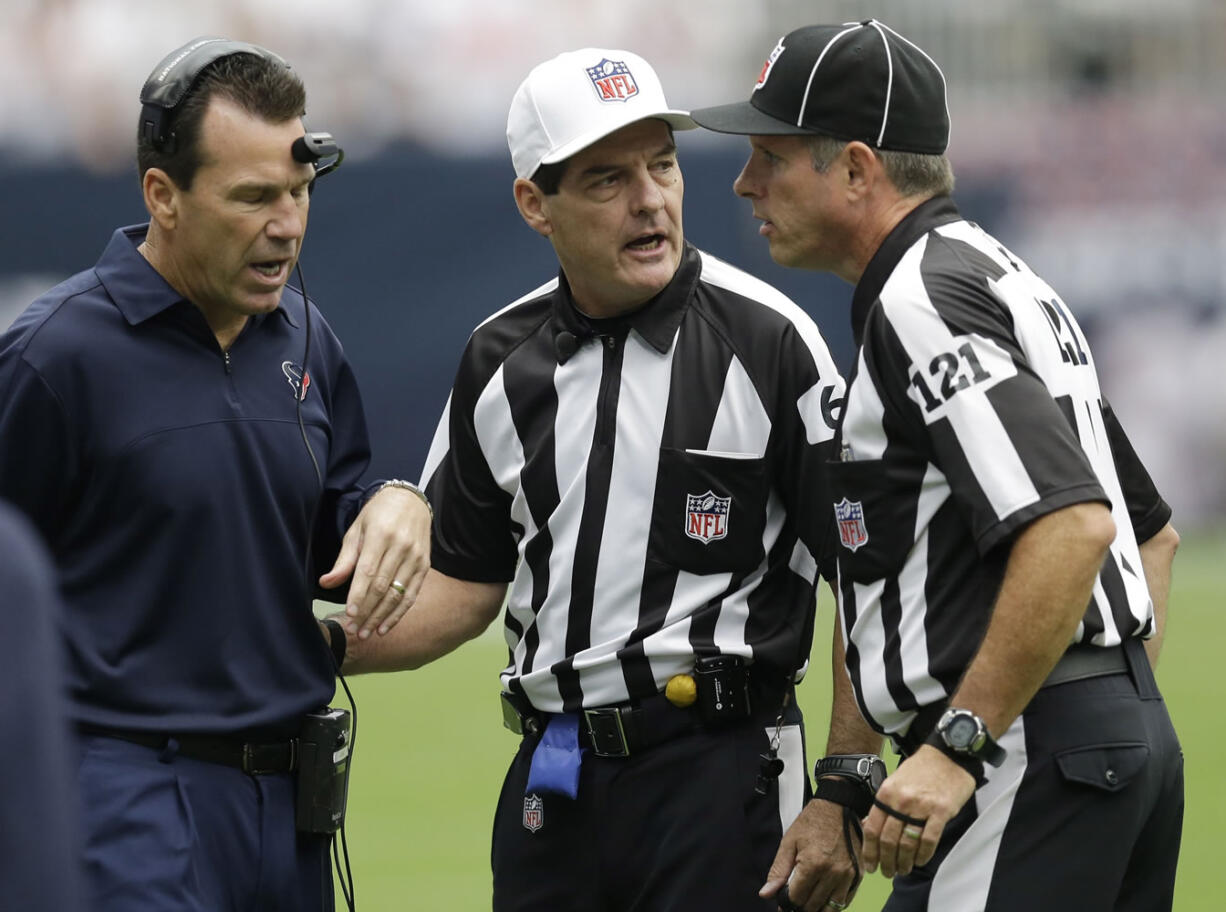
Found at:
<point>859,80</point>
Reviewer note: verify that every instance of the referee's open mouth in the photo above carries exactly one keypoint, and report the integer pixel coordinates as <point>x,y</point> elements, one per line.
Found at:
<point>647,243</point>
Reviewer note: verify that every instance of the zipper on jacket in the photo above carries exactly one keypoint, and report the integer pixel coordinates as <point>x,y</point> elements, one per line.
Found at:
<point>610,389</point>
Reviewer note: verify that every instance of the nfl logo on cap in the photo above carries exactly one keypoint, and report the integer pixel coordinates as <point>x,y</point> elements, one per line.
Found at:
<point>766,67</point>
<point>850,516</point>
<point>612,80</point>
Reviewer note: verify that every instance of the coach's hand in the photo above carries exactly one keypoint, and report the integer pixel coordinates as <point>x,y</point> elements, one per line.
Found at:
<point>387,552</point>
<point>814,861</point>
<point>929,789</point>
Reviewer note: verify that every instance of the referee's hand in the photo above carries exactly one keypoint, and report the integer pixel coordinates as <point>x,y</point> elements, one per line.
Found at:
<point>813,863</point>
<point>387,552</point>
<point>928,788</point>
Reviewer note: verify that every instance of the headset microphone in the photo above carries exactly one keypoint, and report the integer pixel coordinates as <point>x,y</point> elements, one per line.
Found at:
<point>314,148</point>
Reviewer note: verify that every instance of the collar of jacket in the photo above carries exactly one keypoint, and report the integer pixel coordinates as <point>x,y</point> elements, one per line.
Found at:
<point>939,210</point>
<point>656,321</point>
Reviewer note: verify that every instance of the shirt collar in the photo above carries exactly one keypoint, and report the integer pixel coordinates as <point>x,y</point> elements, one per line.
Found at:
<point>138,290</point>
<point>939,210</point>
<point>656,321</point>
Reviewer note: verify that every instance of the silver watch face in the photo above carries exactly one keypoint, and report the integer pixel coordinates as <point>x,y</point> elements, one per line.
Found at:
<point>961,732</point>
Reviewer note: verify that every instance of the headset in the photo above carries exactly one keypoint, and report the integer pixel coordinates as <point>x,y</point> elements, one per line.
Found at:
<point>173,78</point>
<point>169,84</point>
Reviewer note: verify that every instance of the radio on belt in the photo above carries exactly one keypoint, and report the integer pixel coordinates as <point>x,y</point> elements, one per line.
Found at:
<point>323,771</point>
<point>723,688</point>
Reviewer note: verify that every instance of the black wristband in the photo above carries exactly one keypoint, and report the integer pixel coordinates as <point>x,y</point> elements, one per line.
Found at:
<point>336,641</point>
<point>851,794</point>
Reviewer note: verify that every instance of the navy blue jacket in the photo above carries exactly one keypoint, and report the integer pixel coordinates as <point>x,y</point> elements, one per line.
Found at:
<point>38,813</point>
<point>173,486</point>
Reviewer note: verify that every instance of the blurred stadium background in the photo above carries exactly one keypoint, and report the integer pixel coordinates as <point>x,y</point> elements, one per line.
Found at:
<point>1087,134</point>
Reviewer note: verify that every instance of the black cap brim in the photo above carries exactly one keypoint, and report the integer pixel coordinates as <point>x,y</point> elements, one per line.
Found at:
<point>743,118</point>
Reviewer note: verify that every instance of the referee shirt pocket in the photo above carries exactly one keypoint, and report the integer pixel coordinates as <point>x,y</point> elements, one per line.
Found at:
<point>709,511</point>
<point>873,504</point>
<point>1109,767</point>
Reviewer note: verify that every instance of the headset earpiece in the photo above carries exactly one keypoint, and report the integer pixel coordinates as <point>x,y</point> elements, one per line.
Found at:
<point>173,78</point>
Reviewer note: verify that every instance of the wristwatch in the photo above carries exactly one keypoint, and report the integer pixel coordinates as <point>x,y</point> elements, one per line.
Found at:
<point>867,769</point>
<point>850,780</point>
<point>965,734</point>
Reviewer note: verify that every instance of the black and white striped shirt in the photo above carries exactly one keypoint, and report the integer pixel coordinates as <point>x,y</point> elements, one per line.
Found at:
<point>974,408</point>
<point>650,489</point>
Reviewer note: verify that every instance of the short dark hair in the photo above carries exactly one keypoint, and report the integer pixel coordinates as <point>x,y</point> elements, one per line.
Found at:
<point>549,177</point>
<point>259,85</point>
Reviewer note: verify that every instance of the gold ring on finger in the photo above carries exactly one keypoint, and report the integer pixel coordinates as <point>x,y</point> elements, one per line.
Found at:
<point>912,832</point>
<point>398,586</point>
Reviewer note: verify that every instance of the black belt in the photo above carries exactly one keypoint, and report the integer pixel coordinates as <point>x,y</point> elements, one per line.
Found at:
<point>619,731</point>
<point>1081,662</point>
<point>256,758</point>
<point>1078,663</point>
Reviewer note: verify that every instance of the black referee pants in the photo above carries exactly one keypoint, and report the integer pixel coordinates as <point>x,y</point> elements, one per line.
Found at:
<point>1084,816</point>
<point>675,828</point>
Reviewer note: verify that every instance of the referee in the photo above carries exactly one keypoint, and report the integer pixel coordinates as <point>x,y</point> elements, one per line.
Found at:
<point>629,457</point>
<point>1003,558</point>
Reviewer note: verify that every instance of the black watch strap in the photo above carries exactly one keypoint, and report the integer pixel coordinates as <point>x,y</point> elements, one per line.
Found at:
<point>972,765</point>
<point>336,641</point>
<point>943,738</point>
<point>847,792</point>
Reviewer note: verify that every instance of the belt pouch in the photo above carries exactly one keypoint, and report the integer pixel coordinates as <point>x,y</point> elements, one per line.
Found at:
<point>723,689</point>
<point>323,771</point>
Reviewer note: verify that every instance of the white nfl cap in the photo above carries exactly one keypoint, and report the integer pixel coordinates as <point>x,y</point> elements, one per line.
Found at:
<point>578,98</point>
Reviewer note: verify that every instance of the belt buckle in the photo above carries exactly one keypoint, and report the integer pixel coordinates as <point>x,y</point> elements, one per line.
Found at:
<point>607,732</point>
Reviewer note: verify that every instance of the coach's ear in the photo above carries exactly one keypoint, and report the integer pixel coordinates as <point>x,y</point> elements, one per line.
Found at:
<point>531,202</point>
<point>161,198</point>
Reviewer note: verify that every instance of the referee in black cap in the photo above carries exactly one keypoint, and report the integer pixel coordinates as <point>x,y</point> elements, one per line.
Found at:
<point>1004,558</point>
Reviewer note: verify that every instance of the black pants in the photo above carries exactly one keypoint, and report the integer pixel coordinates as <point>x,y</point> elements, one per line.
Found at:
<point>1084,816</point>
<point>675,828</point>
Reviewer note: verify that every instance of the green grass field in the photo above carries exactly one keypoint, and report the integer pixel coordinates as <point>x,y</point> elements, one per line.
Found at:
<point>431,753</point>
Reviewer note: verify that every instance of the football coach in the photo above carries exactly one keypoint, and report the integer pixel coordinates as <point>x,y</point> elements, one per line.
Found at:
<point>194,467</point>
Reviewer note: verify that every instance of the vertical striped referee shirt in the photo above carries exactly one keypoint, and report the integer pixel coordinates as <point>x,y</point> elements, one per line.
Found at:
<point>974,408</point>
<point>650,487</point>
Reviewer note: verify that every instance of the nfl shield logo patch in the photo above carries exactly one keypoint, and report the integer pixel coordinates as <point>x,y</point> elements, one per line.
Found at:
<point>706,516</point>
<point>850,516</point>
<point>534,813</point>
<point>612,80</point>
<point>766,67</point>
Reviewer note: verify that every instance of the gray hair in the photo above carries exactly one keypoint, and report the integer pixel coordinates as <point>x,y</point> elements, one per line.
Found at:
<point>911,173</point>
